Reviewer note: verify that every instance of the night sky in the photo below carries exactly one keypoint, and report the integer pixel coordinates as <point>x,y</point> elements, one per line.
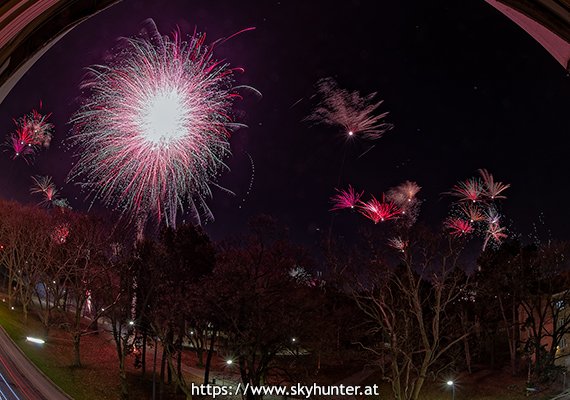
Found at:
<point>465,87</point>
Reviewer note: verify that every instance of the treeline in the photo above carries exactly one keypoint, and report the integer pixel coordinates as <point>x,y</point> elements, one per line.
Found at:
<point>400,299</point>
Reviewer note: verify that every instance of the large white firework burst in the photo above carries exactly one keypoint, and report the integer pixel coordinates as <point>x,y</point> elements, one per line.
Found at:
<point>153,132</point>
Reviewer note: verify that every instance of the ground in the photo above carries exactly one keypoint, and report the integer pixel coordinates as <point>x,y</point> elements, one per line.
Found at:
<point>98,377</point>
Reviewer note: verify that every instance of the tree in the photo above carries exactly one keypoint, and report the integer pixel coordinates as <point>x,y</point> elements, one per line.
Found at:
<point>407,307</point>
<point>259,305</point>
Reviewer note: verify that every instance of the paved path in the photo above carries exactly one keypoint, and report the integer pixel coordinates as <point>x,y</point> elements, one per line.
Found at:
<point>20,379</point>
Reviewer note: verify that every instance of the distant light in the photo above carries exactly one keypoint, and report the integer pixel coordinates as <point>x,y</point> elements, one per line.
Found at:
<point>350,133</point>
<point>294,340</point>
<point>11,308</point>
<point>131,323</point>
<point>229,362</point>
<point>449,383</point>
<point>35,340</point>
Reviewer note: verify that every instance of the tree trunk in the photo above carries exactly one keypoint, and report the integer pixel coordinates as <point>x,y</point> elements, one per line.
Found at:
<point>209,357</point>
<point>143,355</point>
<point>162,370</point>
<point>76,349</point>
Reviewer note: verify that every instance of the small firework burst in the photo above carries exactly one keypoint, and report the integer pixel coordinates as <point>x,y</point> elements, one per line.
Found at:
<point>356,114</point>
<point>346,199</point>
<point>495,234</point>
<point>60,233</point>
<point>492,216</point>
<point>45,187</point>
<point>33,132</point>
<point>404,193</point>
<point>398,243</point>
<point>458,227</point>
<point>472,212</point>
<point>379,211</point>
<point>491,188</point>
<point>469,190</point>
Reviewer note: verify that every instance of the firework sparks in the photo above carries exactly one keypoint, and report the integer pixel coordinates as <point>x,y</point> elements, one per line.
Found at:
<point>491,188</point>
<point>33,132</point>
<point>404,193</point>
<point>60,233</point>
<point>472,212</point>
<point>45,187</point>
<point>495,233</point>
<point>345,199</point>
<point>398,243</point>
<point>469,190</point>
<point>355,113</point>
<point>458,226</point>
<point>153,133</point>
<point>379,211</point>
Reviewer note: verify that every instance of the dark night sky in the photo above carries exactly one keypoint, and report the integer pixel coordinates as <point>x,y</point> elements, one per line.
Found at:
<point>465,87</point>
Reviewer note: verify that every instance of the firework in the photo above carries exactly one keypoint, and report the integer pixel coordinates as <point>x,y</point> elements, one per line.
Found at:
<point>398,243</point>
<point>44,186</point>
<point>355,113</point>
<point>472,212</point>
<point>492,216</point>
<point>404,193</point>
<point>495,233</point>
<point>345,199</point>
<point>33,131</point>
<point>458,226</point>
<point>469,190</point>
<point>491,188</point>
<point>153,133</point>
<point>60,233</point>
<point>379,211</point>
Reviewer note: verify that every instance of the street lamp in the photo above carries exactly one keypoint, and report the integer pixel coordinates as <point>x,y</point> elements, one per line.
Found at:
<point>452,384</point>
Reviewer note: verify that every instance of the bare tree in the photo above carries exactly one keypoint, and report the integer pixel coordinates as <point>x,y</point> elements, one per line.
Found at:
<point>407,308</point>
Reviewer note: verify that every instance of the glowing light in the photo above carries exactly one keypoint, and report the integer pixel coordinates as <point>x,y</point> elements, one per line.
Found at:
<point>35,340</point>
<point>449,383</point>
<point>229,362</point>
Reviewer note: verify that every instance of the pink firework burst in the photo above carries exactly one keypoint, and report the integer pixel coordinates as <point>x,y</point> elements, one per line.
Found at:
<point>458,226</point>
<point>355,113</point>
<point>44,186</point>
<point>153,133</point>
<point>379,211</point>
<point>345,199</point>
<point>60,233</point>
<point>491,188</point>
<point>495,234</point>
<point>468,190</point>
<point>33,131</point>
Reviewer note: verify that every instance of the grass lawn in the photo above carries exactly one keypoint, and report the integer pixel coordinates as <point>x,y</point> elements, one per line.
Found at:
<point>98,378</point>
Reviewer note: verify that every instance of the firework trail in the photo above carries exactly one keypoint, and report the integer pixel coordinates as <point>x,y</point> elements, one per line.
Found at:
<point>345,199</point>
<point>379,211</point>
<point>458,227</point>
<point>356,114</point>
<point>491,188</point>
<point>251,179</point>
<point>33,132</point>
<point>153,133</point>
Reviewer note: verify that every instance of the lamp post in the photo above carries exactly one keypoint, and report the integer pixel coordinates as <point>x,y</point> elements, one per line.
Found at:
<point>452,384</point>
